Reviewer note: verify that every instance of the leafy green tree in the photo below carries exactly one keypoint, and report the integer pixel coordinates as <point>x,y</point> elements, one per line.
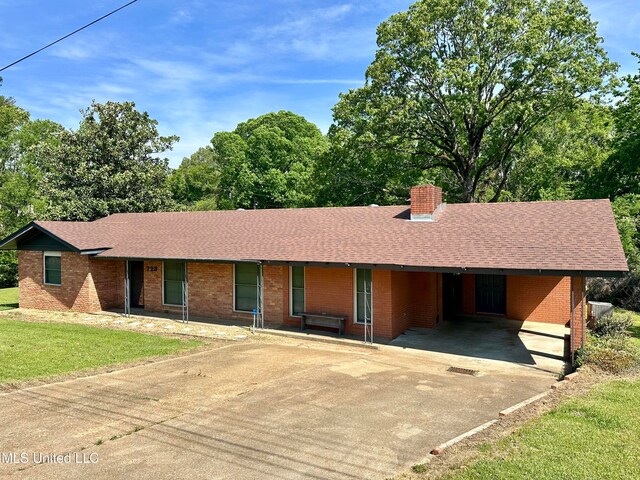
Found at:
<point>268,162</point>
<point>12,119</point>
<point>19,174</point>
<point>627,212</point>
<point>458,86</point>
<point>109,165</point>
<point>620,173</point>
<point>562,156</point>
<point>194,183</point>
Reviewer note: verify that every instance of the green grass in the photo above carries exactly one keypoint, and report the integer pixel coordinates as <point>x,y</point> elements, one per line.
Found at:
<point>597,436</point>
<point>8,298</point>
<point>38,350</point>
<point>635,328</point>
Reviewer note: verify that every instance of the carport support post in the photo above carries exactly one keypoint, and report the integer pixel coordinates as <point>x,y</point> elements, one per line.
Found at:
<point>577,324</point>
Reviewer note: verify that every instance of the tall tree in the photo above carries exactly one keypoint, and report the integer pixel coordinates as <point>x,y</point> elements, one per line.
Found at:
<point>267,162</point>
<point>620,173</point>
<point>563,156</point>
<point>195,182</point>
<point>19,175</point>
<point>109,165</point>
<point>458,86</point>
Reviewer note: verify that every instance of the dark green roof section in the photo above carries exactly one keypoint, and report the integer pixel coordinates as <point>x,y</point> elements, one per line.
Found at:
<point>35,238</point>
<point>40,241</point>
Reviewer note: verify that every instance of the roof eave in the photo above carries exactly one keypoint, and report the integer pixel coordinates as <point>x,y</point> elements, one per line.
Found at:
<point>385,266</point>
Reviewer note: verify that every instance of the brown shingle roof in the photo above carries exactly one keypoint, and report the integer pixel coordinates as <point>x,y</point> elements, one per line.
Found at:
<point>548,236</point>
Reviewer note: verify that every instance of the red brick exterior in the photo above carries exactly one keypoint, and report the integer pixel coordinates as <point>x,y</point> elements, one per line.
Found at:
<point>539,299</point>
<point>469,294</point>
<point>87,285</point>
<point>425,199</point>
<point>401,299</point>
<point>580,312</point>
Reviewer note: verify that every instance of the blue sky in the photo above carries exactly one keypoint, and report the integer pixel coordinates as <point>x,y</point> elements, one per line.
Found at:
<point>199,66</point>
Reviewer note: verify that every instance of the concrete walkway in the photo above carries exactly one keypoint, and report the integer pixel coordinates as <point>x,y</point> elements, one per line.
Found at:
<point>249,410</point>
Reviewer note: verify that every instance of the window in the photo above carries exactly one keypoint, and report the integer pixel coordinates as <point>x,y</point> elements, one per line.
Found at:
<point>296,282</point>
<point>173,278</point>
<point>52,268</point>
<point>245,287</point>
<point>363,295</point>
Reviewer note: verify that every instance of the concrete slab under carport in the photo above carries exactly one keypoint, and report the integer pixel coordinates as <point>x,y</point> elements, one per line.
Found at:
<point>478,341</point>
<point>289,410</point>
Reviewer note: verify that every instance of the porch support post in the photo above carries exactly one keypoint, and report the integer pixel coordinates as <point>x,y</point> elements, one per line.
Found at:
<point>127,290</point>
<point>185,293</point>
<point>258,316</point>
<point>368,301</point>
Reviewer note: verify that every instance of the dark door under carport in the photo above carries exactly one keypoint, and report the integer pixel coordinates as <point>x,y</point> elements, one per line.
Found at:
<point>136,272</point>
<point>491,294</point>
<point>452,295</point>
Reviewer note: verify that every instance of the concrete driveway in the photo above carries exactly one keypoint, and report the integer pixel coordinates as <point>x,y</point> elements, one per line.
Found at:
<point>249,410</point>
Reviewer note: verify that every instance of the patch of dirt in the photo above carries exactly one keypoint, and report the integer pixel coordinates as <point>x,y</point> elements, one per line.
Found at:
<point>466,451</point>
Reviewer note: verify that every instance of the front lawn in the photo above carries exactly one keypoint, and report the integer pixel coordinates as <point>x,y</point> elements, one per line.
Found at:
<point>8,298</point>
<point>635,328</point>
<point>37,350</point>
<point>597,436</point>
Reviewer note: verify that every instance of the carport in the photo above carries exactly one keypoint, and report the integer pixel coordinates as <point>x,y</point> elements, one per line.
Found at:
<point>537,301</point>
<point>471,341</point>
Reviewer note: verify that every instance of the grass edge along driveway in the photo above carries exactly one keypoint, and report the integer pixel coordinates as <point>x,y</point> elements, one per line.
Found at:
<point>31,350</point>
<point>596,436</point>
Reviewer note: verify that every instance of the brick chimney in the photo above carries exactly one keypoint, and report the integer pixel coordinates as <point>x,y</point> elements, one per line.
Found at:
<point>426,202</point>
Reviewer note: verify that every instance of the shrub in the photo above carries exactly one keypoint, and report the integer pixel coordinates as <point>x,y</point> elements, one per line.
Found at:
<point>614,354</point>
<point>614,325</point>
<point>622,292</point>
<point>8,269</point>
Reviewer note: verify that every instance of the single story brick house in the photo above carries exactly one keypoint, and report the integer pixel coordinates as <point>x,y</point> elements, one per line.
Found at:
<point>381,268</point>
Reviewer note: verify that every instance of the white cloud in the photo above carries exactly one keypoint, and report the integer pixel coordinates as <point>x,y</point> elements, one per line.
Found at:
<point>318,34</point>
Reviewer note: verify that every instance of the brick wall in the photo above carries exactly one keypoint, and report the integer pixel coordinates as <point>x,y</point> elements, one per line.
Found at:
<point>211,291</point>
<point>383,307</point>
<point>468,294</point>
<point>330,291</point>
<point>152,286</point>
<point>539,298</point>
<point>403,303</point>
<point>275,290</point>
<point>417,300</point>
<point>87,285</point>
<point>108,278</point>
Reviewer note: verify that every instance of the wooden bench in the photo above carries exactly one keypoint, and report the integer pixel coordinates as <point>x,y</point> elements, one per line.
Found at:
<point>322,320</point>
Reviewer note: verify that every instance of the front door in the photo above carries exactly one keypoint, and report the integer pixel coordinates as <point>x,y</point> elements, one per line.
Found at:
<point>136,272</point>
<point>491,294</point>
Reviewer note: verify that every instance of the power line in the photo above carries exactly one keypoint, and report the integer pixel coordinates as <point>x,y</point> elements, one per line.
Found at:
<point>68,35</point>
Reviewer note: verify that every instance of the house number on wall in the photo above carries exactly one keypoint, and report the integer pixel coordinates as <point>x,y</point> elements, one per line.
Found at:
<point>152,269</point>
